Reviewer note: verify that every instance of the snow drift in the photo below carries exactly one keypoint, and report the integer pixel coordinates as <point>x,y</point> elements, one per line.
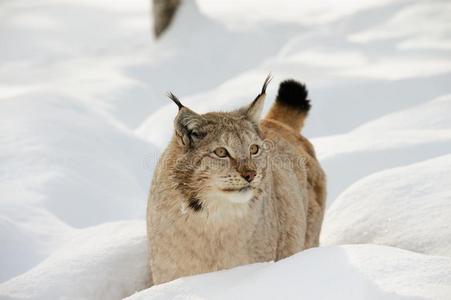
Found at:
<point>108,261</point>
<point>83,118</point>
<point>65,166</point>
<point>385,208</point>
<point>342,272</point>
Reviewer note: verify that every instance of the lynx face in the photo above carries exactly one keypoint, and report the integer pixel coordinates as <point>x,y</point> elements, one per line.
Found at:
<point>224,161</point>
<point>224,157</point>
<point>235,164</point>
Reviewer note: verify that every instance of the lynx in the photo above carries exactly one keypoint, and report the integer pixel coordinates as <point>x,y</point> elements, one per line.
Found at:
<point>231,189</point>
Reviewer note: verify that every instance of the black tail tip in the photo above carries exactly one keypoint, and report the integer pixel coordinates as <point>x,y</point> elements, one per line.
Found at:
<point>294,94</point>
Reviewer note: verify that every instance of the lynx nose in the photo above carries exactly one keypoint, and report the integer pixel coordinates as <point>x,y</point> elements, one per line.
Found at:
<point>248,175</point>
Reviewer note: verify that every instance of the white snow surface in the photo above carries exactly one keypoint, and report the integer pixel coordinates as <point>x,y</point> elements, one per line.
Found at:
<point>340,272</point>
<point>385,208</point>
<point>84,117</point>
<point>113,255</point>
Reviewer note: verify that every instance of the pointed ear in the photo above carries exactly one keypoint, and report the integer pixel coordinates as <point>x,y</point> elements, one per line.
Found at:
<point>253,111</point>
<point>187,124</point>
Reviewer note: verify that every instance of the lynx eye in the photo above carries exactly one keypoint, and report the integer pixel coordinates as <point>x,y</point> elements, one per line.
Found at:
<point>254,149</point>
<point>221,152</point>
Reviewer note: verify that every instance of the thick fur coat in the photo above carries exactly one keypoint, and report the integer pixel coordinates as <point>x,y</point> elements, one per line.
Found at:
<point>231,189</point>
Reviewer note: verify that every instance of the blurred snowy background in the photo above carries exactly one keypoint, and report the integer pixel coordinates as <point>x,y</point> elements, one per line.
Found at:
<point>83,118</point>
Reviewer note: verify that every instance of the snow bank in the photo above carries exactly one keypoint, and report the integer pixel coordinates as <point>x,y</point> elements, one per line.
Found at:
<point>423,131</point>
<point>63,165</point>
<point>431,115</point>
<point>28,233</point>
<point>307,12</point>
<point>343,272</point>
<point>426,35</point>
<point>407,207</point>
<point>80,166</point>
<point>73,92</point>
<point>108,261</point>
<point>94,51</point>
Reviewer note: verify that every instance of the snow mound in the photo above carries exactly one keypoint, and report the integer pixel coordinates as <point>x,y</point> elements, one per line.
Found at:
<point>63,165</point>
<point>73,93</point>
<point>406,207</point>
<point>341,272</point>
<point>28,235</point>
<point>80,166</point>
<point>431,115</point>
<point>310,12</point>
<point>423,131</point>
<point>108,261</point>
<point>425,35</point>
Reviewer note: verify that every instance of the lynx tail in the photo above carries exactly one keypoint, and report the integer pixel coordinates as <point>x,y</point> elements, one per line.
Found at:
<point>291,106</point>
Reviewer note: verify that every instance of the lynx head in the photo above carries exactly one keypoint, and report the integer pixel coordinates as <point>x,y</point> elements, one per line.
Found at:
<point>221,156</point>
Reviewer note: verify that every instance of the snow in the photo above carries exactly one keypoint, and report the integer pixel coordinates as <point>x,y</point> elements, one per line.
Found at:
<point>84,117</point>
<point>113,255</point>
<point>425,34</point>
<point>427,116</point>
<point>340,272</point>
<point>64,166</point>
<point>422,131</point>
<point>309,12</point>
<point>385,208</point>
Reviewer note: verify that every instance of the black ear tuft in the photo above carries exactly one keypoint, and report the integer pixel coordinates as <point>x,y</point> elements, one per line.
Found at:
<point>294,94</point>
<point>176,100</point>
<point>265,84</point>
<point>254,110</point>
